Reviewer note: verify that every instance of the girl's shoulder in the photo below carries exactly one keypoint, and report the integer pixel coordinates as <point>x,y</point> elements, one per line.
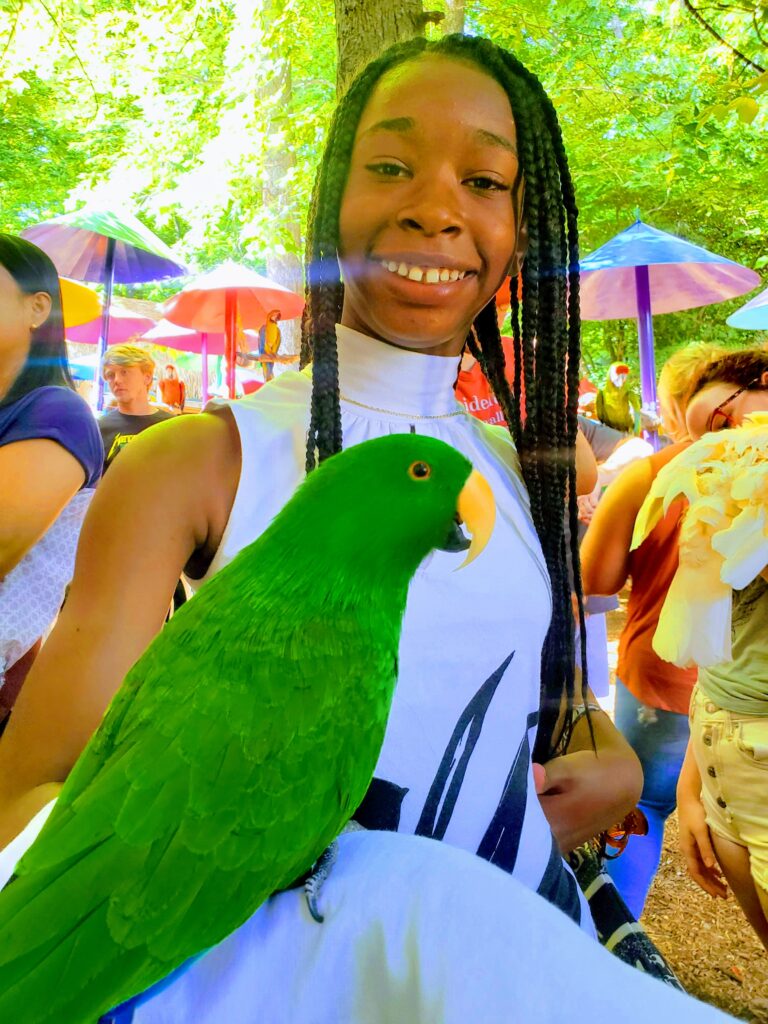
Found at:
<point>57,414</point>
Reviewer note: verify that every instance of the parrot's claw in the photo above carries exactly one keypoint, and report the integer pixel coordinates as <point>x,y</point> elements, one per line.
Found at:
<point>314,883</point>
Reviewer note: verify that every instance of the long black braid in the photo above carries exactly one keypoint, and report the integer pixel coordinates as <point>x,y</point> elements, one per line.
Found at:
<point>541,405</point>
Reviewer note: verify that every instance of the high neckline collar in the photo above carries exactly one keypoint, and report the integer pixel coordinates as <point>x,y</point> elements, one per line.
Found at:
<point>384,378</point>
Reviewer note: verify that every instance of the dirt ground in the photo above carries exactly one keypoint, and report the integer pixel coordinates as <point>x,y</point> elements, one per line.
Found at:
<point>708,942</point>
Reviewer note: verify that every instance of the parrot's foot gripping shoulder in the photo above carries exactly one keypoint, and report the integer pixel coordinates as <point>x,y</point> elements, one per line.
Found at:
<point>314,883</point>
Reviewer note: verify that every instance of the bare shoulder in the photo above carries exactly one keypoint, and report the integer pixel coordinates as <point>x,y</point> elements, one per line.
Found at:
<point>183,471</point>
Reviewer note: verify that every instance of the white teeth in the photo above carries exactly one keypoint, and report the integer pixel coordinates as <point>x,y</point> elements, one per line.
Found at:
<point>427,275</point>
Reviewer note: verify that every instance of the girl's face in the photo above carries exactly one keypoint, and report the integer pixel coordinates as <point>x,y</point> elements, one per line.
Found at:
<point>721,405</point>
<point>19,315</point>
<point>430,216</point>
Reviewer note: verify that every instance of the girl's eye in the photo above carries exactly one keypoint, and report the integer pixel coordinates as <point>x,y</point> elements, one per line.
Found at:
<point>485,184</point>
<point>387,169</point>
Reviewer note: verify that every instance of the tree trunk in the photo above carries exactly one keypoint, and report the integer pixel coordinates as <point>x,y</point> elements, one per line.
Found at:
<point>279,161</point>
<point>454,16</point>
<point>365,28</point>
<point>283,260</point>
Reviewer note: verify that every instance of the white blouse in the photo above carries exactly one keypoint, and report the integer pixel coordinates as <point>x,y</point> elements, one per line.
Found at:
<point>455,764</point>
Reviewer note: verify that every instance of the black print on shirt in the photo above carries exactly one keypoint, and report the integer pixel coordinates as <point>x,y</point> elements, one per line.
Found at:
<point>445,789</point>
<point>501,841</point>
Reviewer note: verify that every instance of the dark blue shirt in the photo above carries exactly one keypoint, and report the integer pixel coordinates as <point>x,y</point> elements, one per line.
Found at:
<point>56,414</point>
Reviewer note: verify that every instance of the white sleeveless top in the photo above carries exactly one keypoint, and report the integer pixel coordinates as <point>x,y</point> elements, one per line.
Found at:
<point>456,763</point>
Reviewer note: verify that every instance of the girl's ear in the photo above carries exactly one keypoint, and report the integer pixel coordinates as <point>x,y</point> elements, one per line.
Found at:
<point>40,308</point>
<point>764,379</point>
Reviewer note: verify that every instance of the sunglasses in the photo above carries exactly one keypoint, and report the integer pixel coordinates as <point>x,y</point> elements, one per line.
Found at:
<point>727,418</point>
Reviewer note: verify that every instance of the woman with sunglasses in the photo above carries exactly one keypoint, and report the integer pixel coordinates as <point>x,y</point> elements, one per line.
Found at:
<point>722,790</point>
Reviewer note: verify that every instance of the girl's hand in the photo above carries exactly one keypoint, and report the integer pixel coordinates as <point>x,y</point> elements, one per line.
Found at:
<point>695,844</point>
<point>577,798</point>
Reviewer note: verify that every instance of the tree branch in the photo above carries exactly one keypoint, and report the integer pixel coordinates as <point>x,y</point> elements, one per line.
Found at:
<point>713,32</point>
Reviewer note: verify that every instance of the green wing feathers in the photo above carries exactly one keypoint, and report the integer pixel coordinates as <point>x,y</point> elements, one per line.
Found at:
<point>212,782</point>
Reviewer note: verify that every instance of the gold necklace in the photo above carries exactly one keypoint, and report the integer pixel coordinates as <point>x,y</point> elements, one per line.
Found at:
<point>404,415</point>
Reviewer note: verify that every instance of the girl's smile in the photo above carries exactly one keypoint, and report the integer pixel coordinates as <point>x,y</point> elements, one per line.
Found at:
<point>429,223</point>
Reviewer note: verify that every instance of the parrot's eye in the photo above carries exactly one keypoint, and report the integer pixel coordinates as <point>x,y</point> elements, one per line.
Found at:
<point>419,470</point>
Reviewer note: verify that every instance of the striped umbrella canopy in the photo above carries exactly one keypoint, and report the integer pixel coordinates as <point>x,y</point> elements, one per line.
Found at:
<point>104,246</point>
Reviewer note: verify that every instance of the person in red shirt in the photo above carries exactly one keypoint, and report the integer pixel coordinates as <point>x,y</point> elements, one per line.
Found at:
<point>652,696</point>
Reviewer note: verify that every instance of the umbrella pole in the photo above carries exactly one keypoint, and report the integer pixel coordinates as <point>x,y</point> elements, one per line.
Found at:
<point>645,349</point>
<point>204,348</point>
<point>230,319</point>
<point>109,274</point>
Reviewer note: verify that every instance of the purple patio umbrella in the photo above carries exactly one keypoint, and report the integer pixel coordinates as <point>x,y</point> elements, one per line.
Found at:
<point>753,316</point>
<point>643,271</point>
<point>102,246</point>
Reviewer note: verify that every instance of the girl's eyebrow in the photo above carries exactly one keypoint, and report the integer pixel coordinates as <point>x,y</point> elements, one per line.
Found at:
<point>407,124</point>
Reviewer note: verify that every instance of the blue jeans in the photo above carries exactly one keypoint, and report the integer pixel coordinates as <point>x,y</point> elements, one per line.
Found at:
<point>659,738</point>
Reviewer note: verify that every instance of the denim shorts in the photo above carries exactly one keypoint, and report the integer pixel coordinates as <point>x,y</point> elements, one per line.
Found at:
<point>732,754</point>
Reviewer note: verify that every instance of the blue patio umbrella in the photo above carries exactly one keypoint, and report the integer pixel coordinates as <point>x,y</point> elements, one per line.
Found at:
<point>753,316</point>
<point>103,246</point>
<point>644,271</point>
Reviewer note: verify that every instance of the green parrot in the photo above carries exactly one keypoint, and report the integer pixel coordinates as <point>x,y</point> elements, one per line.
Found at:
<point>232,754</point>
<point>613,404</point>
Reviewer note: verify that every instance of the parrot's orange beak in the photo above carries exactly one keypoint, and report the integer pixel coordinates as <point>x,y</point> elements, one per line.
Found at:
<point>477,510</point>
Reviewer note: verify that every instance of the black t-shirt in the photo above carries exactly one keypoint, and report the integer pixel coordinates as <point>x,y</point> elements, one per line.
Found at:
<point>118,428</point>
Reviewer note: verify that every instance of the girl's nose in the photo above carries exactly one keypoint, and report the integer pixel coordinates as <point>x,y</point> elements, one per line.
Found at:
<point>432,208</point>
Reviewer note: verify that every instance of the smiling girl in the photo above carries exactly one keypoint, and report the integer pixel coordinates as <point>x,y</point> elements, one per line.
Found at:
<point>436,156</point>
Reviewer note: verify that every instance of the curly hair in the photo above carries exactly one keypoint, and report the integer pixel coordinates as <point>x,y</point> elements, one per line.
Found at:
<point>540,406</point>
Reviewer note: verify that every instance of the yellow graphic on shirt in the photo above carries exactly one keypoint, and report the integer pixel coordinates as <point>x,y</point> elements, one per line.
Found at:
<point>121,440</point>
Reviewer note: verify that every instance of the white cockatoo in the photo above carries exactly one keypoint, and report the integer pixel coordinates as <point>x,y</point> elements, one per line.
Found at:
<point>723,537</point>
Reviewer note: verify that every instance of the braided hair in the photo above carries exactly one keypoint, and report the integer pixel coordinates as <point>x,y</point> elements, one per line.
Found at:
<point>540,406</point>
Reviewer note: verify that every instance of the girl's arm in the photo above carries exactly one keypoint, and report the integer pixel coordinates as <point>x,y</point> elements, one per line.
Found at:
<point>694,838</point>
<point>167,496</point>
<point>605,548</point>
<point>39,477</point>
<point>586,465</point>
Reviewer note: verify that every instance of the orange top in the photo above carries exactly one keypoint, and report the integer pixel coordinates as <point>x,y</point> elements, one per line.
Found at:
<point>172,391</point>
<point>652,566</point>
<point>474,391</point>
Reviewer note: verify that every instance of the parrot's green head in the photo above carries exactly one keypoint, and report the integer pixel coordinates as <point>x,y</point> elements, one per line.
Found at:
<point>378,509</point>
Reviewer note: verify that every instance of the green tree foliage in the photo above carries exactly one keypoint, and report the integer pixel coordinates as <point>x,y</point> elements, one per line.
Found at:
<point>178,110</point>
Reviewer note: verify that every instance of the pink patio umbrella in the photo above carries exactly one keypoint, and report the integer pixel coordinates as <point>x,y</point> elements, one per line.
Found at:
<point>229,298</point>
<point>187,339</point>
<point>123,324</point>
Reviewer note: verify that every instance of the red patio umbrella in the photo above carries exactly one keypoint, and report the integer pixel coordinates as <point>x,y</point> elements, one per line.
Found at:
<point>227,300</point>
